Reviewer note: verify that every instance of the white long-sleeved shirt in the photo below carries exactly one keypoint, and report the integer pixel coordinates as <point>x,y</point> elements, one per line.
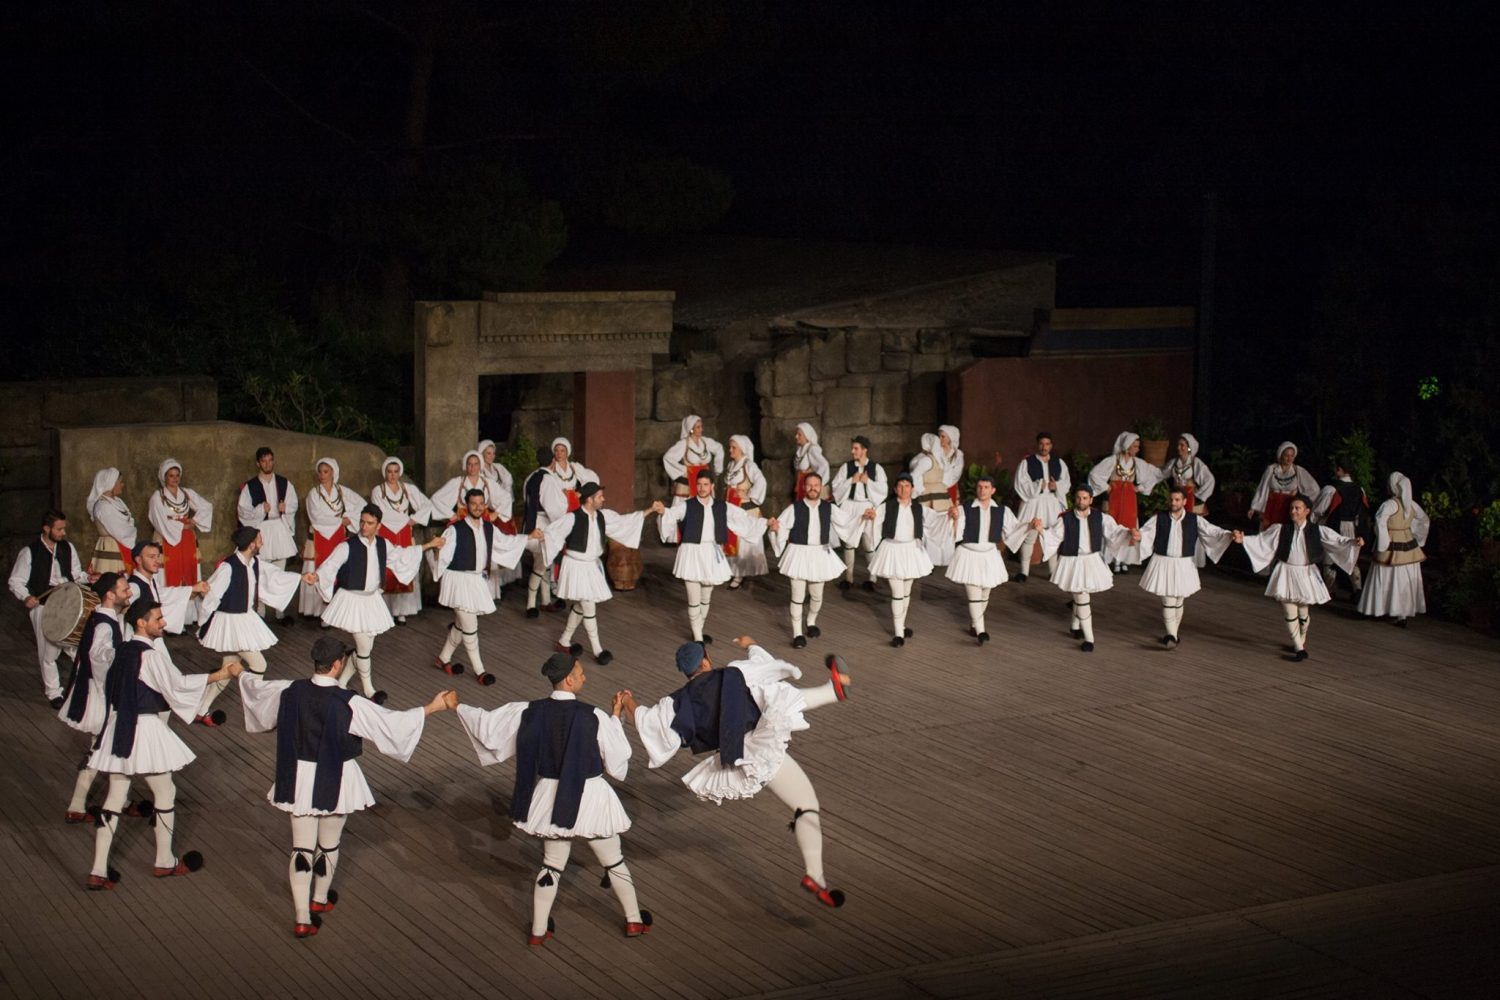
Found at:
<point>1212,539</point>
<point>705,451</point>
<point>1012,531</point>
<point>113,518</point>
<point>402,560</point>
<point>844,526</point>
<point>256,514</point>
<point>164,509</point>
<point>275,588</point>
<point>20,572</point>
<point>846,490</point>
<point>623,528</point>
<point>403,506</point>
<point>505,552</point>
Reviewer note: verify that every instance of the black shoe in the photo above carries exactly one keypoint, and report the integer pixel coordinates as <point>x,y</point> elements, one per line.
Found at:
<point>379,697</point>
<point>56,703</point>
<point>1020,577</point>
<point>533,612</point>
<point>1088,647</point>
<point>813,631</point>
<point>575,649</point>
<point>897,641</point>
<point>844,584</point>
<point>971,631</point>
<point>799,642</point>
<point>983,637</point>
<point>1401,623</point>
<point>604,657</point>
<point>907,632</point>
<point>1076,633</point>
<point>868,586</point>
<point>1166,640</point>
<point>1175,641</point>
<point>1300,655</point>
<point>707,639</point>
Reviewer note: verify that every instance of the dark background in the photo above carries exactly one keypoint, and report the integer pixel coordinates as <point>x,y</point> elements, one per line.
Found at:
<point>257,191</point>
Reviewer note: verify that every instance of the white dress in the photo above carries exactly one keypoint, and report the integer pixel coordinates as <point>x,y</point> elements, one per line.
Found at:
<point>364,609</point>
<point>242,631</point>
<point>1395,590</point>
<point>277,531</point>
<point>704,561</point>
<point>1297,581</point>
<point>394,733</point>
<point>1172,574</point>
<point>408,507</point>
<point>749,484</point>
<point>1088,572</point>
<point>781,706</point>
<point>162,517</point>
<point>157,749</point>
<point>902,556</point>
<point>580,574</point>
<point>815,562</point>
<point>470,590</point>
<point>978,564</point>
<point>600,813</point>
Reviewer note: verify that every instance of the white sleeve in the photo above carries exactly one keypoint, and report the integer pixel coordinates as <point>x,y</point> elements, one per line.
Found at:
<point>624,528</point>
<point>203,511</point>
<point>394,733</point>
<point>492,733</point>
<point>1213,539</point>
<point>1051,538</point>
<point>838,486</point>
<point>102,652</point>
<point>757,483</point>
<point>262,701</point>
<point>555,537</point>
<point>1014,529</point>
<point>614,748</point>
<point>1306,483</point>
<point>183,692</point>
<point>20,575</point>
<point>422,510</point>
<point>553,498</point>
<point>507,549</point>
<point>446,502</point>
<point>320,517</point>
<point>1324,498</point>
<point>919,465</point>
<point>760,668</point>
<point>1025,487</point>
<point>1099,475</point>
<point>1341,551</point>
<point>1261,548</point>
<point>404,561</point>
<point>749,528</point>
<point>654,726</point>
<point>717,450</point>
<point>156,514</point>
<point>218,583</point>
<point>247,512</point>
<point>667,520</point>
<point>1116,536</point>
<point>277,586</point>
<point>174,603</point>
<point>441,557</point>
<point>783,529</point>
<point>1421,524</point>
<point>80,571</point>
<point>818,462</point>
<point>879,486</point>
<point>672,461</point>
<point>290,517</point>
<point>1148,533</point>
<point>1146,476</point>
<point>1203,482</point>
<point>935,523</point>
<point>115,523</point>
<point>1064,480</point>
<point>1262,492</point>
<point>328,572</point>
<point>847,523</point>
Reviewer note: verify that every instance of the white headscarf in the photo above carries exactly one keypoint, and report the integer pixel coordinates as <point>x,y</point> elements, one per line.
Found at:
<point>687,424</point>
<point>1401,491</point>
<point>104,481</point>
<point>1192,444</point>
<point>332,464</point>
<point>747,452</point>
<point>809,433</point>
<point>952,433</point>
<point>1124,441</point>
<point>1283,446</point>
<point>931,444</point>
<point>479,448</point>
<point>552,451</point>
<point>387,461</point>
<point>165,467</point>
<point>463,464</point>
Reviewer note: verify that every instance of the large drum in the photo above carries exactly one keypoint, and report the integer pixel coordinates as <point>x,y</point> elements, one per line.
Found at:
<point>64,613</point>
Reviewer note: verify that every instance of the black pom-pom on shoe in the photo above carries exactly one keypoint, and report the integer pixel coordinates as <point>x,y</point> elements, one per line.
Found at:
<point>604,657</point>
<point>799,642</point>
<point>813,632</point>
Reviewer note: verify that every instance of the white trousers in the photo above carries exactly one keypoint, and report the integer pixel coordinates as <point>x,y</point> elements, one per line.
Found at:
<point>611,858</point>
<point>465,630</point>
<point>1298,618</point>
<point>315,856</point>
<point>164,818</point>
<point>46,655</point>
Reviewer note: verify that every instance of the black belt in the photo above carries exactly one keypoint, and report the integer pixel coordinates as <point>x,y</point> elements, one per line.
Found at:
<point>1405,546</point>
<point>925,497</point>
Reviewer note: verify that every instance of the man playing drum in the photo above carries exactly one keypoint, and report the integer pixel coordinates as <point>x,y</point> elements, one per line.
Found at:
<point>49,561</point>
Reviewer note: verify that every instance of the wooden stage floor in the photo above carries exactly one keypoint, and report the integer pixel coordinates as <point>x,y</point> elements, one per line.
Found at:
<point>1021,820</point>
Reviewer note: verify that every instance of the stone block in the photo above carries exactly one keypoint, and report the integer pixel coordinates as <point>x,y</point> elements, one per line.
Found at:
<point>654,437</point>
<point>925,363</point>
<point>828,358</point>
<point>680,390</point>
<point>20,417</point>
<point>898,340</point>
<point>765,378</point>
<point>791,371</point>
<point>94,403</point>
<point>200,399</point>
<point>777,440</point>
<point>645,388</point>
<point>932,341</point>
<point>541,426</point>
<point>846,407</point>
<point>896,361</point>
<point>892,445</point>
<point>26,469</point>
<point>21,511</point>
<point>888,403</point>
<point>921,402</point>
<point>794,408</point>
<point>864,348</point>
<point>860,381</point>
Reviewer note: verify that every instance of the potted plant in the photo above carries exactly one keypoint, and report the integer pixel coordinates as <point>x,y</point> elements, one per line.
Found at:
<point>1153,434</point>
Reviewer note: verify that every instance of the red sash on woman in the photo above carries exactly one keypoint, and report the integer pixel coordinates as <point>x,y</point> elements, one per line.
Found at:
<point>1122,503</point>
<point>403,538</point>
<point>125,556</point>
<point>180,561</point>
<point>800,492</point>
<point>731,541</point>
<point>953,494</point>
<point>1278,509</point>
<point>573,502</point>
<point>323,547</point>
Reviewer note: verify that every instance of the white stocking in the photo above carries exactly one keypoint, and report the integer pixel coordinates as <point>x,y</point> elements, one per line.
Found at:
<point>300,868</point>
<point>979,602</point>
<point>792,787</point>
<point>81,786</point>
<point>109,821</point>
<point>612,859</point>
<point>900,599</point>
<point>164,796</point>
<point>364,645</point>
<point>583,613</point>
<point>814,601</point>
<point>544,893</point>
<point>1083,616</point>
<point>326,860</point>
<point>465,629</point>
<point>1290,612</point>
<point>697,611</point>
<point>799,599</point>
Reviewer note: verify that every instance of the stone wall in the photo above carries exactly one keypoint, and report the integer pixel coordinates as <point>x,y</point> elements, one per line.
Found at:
<point>217,456</point>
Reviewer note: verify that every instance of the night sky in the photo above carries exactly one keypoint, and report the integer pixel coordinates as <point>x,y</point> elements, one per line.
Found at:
<point>264,141</point>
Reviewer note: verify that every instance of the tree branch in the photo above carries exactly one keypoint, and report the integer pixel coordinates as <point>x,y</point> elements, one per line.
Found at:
<point>305,113</point>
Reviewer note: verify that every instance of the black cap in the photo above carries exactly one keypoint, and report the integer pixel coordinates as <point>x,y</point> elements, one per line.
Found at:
<point>327,649</point>
<point>243,536</point>
<point>589,489</point>
<point>558,666</point>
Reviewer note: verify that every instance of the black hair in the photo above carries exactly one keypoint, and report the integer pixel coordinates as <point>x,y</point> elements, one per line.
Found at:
<point>262,452</point>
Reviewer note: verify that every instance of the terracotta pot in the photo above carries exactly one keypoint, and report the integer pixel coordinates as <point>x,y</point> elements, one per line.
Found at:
<point>1154,451</point>
<point>623,564</point>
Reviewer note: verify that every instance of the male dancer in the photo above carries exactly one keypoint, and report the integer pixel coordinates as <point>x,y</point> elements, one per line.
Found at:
<point>981,527</point>
<point>350,583</point>
<point>743,716</point>
<point>320,734</point>
<point>48,561</point>
<point>858,485</point>
<point>471,546</point>
<point>900,555</point>
<point>803,537</point>
<point>575,544</point>
<point>551,493</point>
<point>268,503</point>
<point>704,522</point>
<point>143,690</point>
<point>1083,542</point>
<point>149,579</point>
<point>1344,507</point>
<point>1293,552</point>
<point>563,748</point>
<point>1175,539</point>
<point>1042,481</point>
<point>83,703</point>
<point>230,625</point>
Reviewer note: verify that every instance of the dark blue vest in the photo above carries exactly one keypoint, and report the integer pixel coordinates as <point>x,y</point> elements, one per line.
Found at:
<point>714,711</point>
<point>463,547</point>
<point>692,521</point>
<point>558,739</point>
<point>892,511</point>
<point>128,696</point>
<point>146,587</point>
<point>236,599</point>
<point>78,691</point>
<point>1312,540</point>
<point>1070,533</point>
<point>1164,533</point>
<point>971,523</point>
<point>351,575</point>
<point>1035,471</point>
<point>312,724</point>
<point>531,490</point>
<point>41,566</point>
<point>801,522</point>
<point>258,491</point>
